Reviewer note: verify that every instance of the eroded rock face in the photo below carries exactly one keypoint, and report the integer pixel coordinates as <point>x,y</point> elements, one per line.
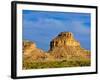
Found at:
<point>64,39</point>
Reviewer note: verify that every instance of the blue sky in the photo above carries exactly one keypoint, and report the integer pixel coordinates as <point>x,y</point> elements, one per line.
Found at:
<point>42,26</point>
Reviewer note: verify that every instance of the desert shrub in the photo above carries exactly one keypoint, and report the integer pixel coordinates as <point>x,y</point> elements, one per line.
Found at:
<point>55,64</point>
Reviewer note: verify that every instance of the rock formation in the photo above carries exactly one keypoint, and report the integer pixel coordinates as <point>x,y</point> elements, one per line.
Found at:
<point>30,51</point>
<point>62,47</point>
<point>64,39</point>
<point>65,46</point>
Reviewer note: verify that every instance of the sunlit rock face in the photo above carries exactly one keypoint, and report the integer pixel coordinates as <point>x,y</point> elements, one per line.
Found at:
<point>64,39</point>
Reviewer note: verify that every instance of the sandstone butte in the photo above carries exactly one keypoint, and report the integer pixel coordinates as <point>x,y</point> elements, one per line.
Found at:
<point>63,46</point>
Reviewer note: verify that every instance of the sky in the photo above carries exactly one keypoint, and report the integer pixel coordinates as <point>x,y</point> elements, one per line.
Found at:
<point>42,26</point>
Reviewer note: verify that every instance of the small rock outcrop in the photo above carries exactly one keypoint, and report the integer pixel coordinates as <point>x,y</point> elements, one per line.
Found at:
<point>30,51</point>
<point>28,47</point>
